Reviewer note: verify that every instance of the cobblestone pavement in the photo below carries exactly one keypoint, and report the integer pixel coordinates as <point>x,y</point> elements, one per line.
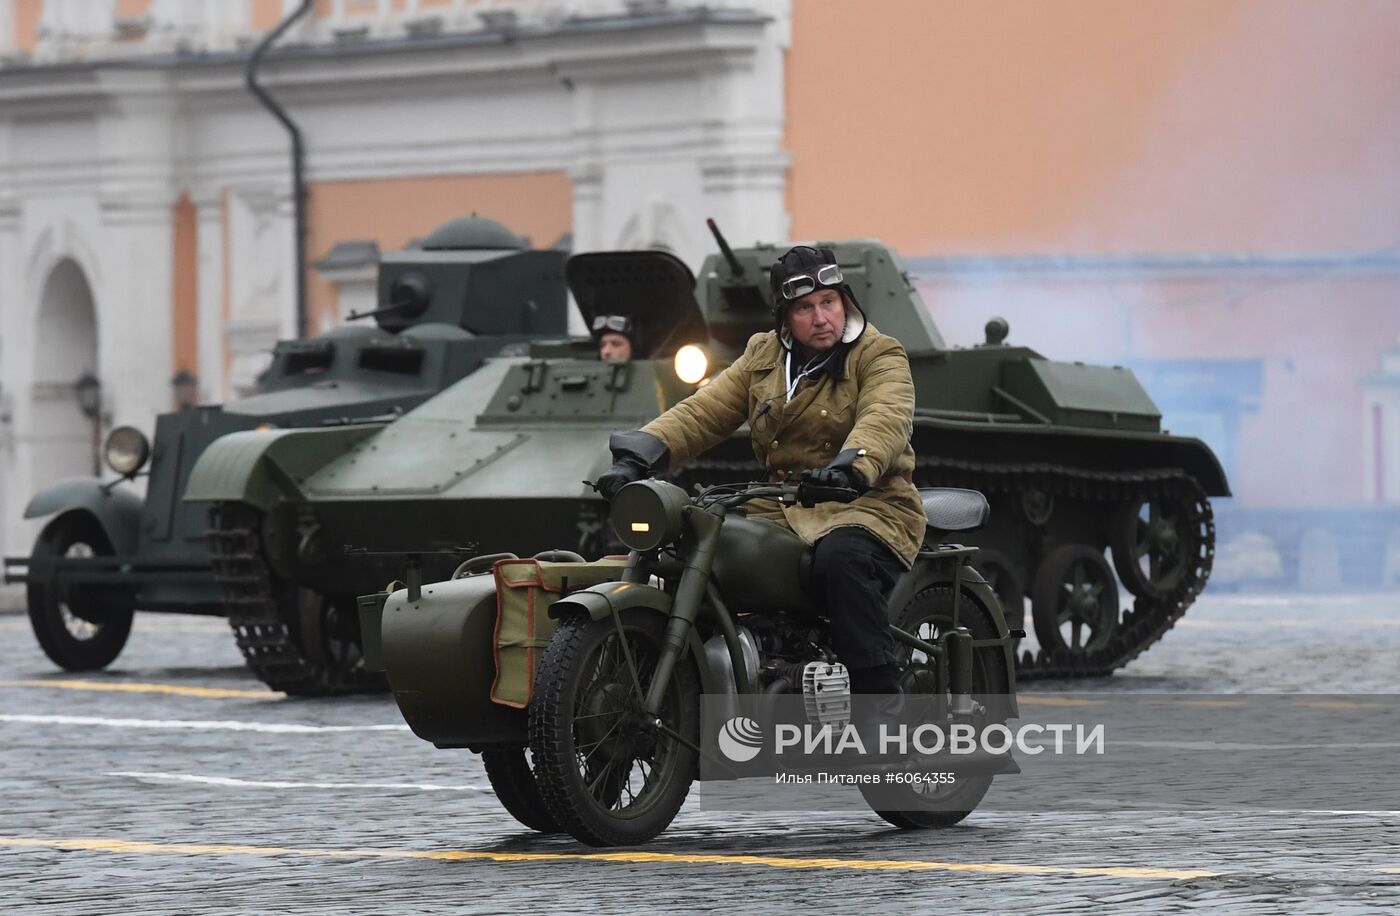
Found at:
<point>226,798</point>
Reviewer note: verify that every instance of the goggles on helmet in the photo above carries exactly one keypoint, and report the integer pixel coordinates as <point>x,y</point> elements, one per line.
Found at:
<point>799,285</point>
<point>620,324</point>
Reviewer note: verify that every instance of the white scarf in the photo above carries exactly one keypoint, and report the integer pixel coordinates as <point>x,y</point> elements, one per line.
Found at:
<point>813,366</point>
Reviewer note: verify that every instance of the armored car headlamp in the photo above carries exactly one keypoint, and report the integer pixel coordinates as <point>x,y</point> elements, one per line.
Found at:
<point>647,514</point>
<point>127,450</point>
<point>691,364</point>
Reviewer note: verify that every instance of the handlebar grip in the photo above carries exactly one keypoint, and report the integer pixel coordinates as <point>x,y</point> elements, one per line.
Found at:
<point>809,494</point>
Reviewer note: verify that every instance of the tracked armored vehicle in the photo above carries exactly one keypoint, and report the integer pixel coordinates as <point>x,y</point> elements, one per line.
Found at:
<point>1071,456</point>
<point>472,289</point>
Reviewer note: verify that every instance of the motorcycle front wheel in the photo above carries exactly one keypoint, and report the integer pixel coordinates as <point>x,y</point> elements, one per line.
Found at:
<point>610,774</point>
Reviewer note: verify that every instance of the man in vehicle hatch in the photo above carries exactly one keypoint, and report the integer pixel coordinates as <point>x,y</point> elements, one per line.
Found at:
<point>616,336</point>
<point>828,399</point>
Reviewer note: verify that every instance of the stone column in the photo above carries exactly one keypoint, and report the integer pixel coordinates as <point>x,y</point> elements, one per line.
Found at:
<point>1380,448</point>
<point>7,27</point>
<point>12,497</point>
<point>353,269</point>
<point>676,126</point>
<point>587,177</point>
<point>262,293</point>
<point>135,342</point>
<point>211,286</point>
<point>72,29</point>
<point>223,22</point>
<point>137,132</point>
<point>744,177</point>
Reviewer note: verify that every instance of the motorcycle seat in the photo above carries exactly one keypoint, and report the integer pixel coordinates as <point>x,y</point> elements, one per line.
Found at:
<point>952,509</point>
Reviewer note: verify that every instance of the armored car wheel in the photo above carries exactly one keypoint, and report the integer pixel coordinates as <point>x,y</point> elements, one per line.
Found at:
<point>608,773</point>
<point>1074,602</point>
<point>513,779</point>
<point>76,630</point>
<point>928,615</point>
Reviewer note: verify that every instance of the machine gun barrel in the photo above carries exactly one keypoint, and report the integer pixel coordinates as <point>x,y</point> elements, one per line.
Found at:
<point>383,310</point>
<point>735,265</point>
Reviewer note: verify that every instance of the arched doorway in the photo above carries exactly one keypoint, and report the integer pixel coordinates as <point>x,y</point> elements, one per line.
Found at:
<point>64,438</point>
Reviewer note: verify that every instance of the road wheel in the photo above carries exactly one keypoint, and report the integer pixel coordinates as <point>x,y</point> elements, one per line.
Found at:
<point>329,632</point>
<point>75,628</point>
<point>513,779</point>
<point>928,615</point>
<point>608,774</point>
<point>294,639</point>
<point>1155,544</point>
<point>1074,602</point>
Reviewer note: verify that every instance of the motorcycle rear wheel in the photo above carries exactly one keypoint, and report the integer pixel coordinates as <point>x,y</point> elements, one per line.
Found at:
<point>607,775</point>
<point>927,615</point>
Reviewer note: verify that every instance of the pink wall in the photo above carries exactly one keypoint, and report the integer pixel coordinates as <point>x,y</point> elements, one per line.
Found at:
<point>1096,125</point>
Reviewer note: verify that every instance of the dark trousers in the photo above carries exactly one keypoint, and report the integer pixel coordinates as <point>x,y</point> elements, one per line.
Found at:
<point>853,572</point>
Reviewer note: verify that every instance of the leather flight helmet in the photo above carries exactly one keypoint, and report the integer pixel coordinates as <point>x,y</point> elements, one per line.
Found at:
<point>625,325</point>
<point>803,270</point>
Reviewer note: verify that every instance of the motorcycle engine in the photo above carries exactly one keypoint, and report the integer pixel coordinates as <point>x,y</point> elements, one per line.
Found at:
<point>826,693</point>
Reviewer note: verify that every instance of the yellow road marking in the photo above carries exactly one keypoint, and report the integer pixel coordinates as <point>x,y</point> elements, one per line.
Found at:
<point>209,693</point>
<point>1337,704</point>
<point>632,858</point>
<point>1211,704</point>
<point>1041,699</point>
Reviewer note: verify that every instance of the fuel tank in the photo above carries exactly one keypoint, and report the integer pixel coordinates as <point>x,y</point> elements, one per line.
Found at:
<point>762,567</point>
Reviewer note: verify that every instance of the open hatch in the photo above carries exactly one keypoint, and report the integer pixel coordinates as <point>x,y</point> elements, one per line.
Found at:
<point>653,288</point>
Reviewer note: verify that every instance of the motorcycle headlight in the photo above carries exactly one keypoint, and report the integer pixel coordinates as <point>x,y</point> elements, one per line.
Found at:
<point>692,363</point>
<point>127,450</point>
<point>647,514</point>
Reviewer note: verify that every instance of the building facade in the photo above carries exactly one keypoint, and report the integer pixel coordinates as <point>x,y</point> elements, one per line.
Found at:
<point>1204,190</point>
<point>146,202</point>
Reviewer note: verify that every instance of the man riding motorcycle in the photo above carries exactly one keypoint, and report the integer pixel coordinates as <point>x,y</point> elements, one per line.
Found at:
<point>829,400</point>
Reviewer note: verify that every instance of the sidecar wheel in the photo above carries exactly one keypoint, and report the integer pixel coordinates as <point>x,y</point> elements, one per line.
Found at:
<point>928,615</point>
<point>607,775</point>
<point>513,780</point>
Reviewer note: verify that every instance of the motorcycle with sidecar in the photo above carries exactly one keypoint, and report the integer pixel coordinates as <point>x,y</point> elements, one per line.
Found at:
<point>580,683</point>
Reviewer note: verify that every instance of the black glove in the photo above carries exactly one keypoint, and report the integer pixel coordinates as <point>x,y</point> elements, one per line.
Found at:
<point>848,478</point>
<point>840,473</point>
<point>628,470</point>
<point>636,455</point>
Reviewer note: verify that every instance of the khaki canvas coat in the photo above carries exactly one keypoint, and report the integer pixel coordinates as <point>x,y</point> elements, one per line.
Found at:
<point>870,407</point>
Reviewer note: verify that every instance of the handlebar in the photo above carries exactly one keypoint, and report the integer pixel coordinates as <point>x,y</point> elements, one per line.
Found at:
<point>803,494</point>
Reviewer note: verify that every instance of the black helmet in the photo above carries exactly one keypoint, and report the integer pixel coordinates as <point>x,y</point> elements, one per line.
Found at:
<point>803,270</point>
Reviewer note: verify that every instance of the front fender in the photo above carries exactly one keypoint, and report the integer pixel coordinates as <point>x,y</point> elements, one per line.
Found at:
<point>263,467</point>
<point>117,511</point>
<point>608,598</point>
<point>599,601</point>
